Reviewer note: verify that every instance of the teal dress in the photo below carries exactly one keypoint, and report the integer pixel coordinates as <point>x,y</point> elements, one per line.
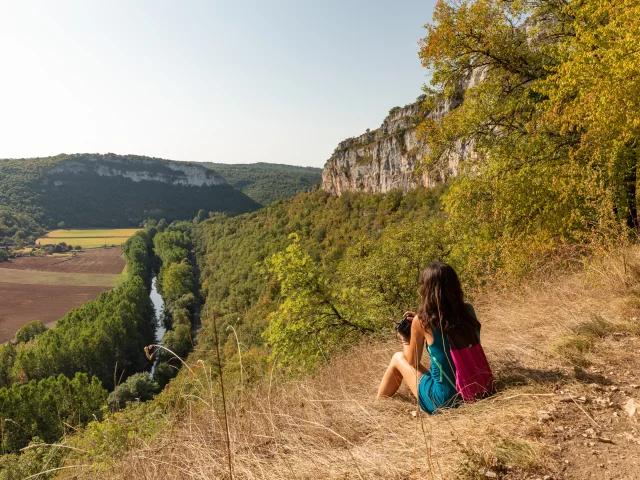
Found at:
<point>436,388</point>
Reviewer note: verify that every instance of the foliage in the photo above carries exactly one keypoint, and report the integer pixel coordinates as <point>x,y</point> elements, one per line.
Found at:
<point>171,246</point>
<point>18,226</point>
<point>7,360</point>
<point>550,169</point>
<point>268,182</point>
<point>30,330</point>
<point>36,458</point>
<point>336,237</point>
<point>138,387</point>
<point>47,408</point>
<point>179,341</point>
<point>313,315</point>
<point>104,338</point>
<point>176,282</point>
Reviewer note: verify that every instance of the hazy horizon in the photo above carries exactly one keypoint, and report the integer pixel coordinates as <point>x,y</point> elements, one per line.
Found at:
<point>204,81</point>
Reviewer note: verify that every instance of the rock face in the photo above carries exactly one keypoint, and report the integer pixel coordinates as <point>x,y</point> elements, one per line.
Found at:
<point>386,158</point>
<point>137,169</point>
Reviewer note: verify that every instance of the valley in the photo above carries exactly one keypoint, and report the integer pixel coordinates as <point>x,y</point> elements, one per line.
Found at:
<point>192,320</point>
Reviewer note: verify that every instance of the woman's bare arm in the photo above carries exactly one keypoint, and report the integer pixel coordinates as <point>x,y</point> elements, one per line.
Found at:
<point>413,349</point>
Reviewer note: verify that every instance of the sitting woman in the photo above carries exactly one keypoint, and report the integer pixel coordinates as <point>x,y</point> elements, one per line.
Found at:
<point>442,316</point>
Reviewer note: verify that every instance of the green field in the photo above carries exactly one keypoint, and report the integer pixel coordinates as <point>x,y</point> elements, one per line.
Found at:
<point>35,277</point>
<point>94,238</point>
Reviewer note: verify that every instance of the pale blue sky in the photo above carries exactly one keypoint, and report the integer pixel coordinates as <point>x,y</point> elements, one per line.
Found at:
<point>279,81</point>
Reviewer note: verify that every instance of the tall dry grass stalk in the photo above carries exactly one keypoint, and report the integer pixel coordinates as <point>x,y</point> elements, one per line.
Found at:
<point>329,425</point>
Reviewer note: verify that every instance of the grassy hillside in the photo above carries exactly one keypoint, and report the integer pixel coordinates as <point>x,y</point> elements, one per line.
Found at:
<point>87,190</point>
<point>563,354</point>
<point>268,182</point>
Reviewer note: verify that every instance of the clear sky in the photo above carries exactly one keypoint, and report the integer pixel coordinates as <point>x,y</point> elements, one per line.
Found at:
<point>232,81</point>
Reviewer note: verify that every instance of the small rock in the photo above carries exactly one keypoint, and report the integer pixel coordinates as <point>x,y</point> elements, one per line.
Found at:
<point>631,407</point>
<point>614,388</point>
<point>633,385</point>
<point>595,386</point>
<point>601,401</point>
<point>631,438</point>
<point>605,440</point>
<point>414,413</point>
<point>490,474</point>
<point>589,433</point>
<point>544,416</point>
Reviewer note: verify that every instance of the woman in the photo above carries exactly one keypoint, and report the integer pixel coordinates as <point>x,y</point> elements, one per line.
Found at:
<point>442,314</point>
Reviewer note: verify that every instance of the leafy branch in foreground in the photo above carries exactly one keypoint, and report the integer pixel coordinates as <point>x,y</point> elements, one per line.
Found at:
<point>312,317</point>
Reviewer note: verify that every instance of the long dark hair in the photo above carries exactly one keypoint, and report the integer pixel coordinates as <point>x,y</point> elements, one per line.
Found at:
<point>443,306</point>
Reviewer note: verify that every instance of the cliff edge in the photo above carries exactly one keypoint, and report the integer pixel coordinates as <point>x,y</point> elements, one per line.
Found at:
<point>386,158</point>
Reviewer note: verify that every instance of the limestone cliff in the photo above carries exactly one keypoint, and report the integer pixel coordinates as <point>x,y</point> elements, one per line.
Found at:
<point>386,158</point>
<point>134,168</point>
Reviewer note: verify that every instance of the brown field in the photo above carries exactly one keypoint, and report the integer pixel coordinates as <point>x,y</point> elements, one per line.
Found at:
<point>99,260</point>
<point>23,303</point>
<point>46,288</point>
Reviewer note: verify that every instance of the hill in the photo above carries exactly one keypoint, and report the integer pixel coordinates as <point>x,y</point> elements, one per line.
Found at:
<point>267,182</point>
<point>91,190</point>
<point>563,354</point>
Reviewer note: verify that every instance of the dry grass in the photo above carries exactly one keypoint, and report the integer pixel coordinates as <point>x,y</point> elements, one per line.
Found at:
<point>329,425</point>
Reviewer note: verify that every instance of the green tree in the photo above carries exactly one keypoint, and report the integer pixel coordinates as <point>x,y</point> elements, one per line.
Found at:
<point>312,317</point>
<point>48,408</point>
<point>30,330</point>
<point>200,217</point>
<point>138,387</point>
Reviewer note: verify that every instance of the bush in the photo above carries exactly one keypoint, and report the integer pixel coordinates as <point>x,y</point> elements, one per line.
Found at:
<point>178,341</point>
<point>30,331</point>
<point>137,387</point>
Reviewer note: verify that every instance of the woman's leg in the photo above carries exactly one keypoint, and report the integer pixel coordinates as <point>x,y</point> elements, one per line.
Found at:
<point>399,369</point>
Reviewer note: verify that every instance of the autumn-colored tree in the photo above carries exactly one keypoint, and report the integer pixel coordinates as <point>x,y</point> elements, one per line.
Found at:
<point>554,153</point>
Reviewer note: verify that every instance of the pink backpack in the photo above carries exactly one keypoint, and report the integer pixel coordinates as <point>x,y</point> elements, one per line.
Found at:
<point>473,373</point>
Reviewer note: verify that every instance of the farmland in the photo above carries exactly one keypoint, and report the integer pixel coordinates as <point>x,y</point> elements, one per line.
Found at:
<point>100,260</point>
<point>95,238</point>
<point>46,288</point>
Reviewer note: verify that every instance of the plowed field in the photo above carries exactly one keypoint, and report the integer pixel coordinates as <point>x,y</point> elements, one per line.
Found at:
<point>23,303</point>
<point>46,288</point>
<point>99,260</point>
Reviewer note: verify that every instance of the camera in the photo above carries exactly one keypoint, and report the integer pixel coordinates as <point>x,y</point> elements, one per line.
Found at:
<point>403,327</point>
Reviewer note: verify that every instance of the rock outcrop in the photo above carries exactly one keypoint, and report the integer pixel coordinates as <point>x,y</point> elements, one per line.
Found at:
<point>386,158</point>
<point>137,169</point>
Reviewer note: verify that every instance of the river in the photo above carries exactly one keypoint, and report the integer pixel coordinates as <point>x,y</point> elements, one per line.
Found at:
<point>158,306</point>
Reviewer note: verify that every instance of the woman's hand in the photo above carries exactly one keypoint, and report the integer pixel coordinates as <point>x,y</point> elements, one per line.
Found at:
<point>409,314</point>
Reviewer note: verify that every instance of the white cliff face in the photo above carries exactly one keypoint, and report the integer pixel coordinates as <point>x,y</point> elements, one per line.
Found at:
<point>170,173</point>
<point>386,158</point>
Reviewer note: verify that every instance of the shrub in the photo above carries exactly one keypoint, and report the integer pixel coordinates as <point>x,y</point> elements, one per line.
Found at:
<point>137,387</point>
<point>30,331</point>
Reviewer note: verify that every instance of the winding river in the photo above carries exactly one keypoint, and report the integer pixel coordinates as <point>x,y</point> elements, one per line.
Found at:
<point>158,306</point>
